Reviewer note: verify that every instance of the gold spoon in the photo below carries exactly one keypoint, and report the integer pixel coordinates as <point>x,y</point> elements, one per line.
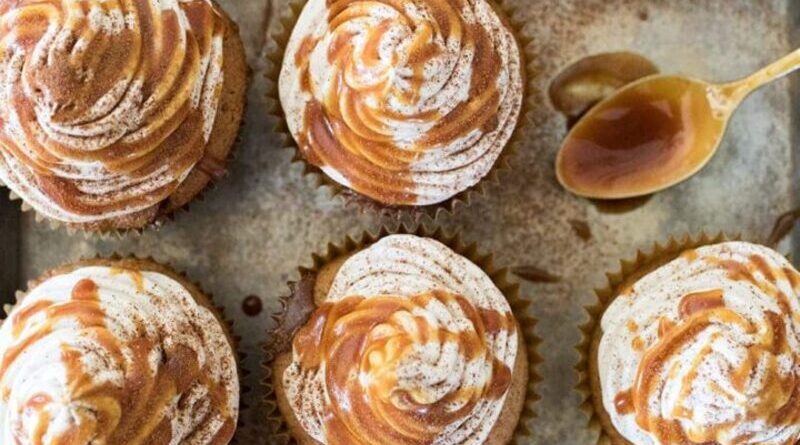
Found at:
<point>654,133</point>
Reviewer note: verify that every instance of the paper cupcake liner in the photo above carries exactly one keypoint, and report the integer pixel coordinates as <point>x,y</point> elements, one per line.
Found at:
<point>104,229</point>
<point>629,272</point>
<point>288,320</point>
<point>149,264</point>
<point>277,42</point>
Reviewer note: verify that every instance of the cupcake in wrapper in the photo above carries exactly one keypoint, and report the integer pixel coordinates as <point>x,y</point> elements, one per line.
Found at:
<point>409,337</point>
<point>117,351</point>
<point>122,117</point>
<point>696,342</point>
<point>401,110</point>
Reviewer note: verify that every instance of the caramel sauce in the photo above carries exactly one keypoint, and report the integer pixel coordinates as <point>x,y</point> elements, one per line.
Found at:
<point>665,325</point>
<point>739,271</point>
<point>690,255</point>
<point>80,78</point>
<point>623,402</point>
<point>113,414</point>
<point>370,336</point>
<point>700,301</point>
<point>779,399</point>
<point>301,60</point>
<point>85,290</point>
<point>19,320</point>
<point>793,277</point>
<point>135,275</point>
<point>640,139</point>
<point>346,130</point>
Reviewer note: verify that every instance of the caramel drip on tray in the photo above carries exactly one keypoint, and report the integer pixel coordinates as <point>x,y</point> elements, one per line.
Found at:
<point>374,356</point>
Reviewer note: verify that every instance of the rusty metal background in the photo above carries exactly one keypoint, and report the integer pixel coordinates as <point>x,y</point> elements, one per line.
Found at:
<point>249,234</point>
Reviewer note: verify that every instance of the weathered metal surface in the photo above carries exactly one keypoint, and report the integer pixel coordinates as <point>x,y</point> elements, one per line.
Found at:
<point>249,234</point>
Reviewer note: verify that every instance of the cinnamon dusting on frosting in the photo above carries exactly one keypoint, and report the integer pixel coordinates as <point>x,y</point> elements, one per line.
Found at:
<point>107,105</point>
<point>91,356</point>
<point>406,103</point>
<point>369,349</point>
<point>415,348</point>
<point>721,355</point>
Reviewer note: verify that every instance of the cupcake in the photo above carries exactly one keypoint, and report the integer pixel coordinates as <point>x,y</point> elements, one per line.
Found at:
<point>407,104</point>
<point>116,352</point>
<point>405,342</point>
<point>700,347</point>
<point>115,114</point>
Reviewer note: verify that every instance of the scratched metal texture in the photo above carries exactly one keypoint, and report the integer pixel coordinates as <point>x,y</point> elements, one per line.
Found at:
<point>248,235</point>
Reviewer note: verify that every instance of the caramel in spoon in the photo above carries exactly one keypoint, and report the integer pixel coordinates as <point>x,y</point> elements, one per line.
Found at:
<point>653,133</point>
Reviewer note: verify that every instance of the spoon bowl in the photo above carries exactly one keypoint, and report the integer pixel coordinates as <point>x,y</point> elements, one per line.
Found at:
<point>653,133</point>
<point>648,136</point>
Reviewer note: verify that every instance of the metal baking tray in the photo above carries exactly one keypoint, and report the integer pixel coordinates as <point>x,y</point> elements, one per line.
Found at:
<point>248,236</point>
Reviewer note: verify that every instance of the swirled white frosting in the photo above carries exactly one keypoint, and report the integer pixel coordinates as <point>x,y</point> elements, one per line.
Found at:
<point>410,268</point>
<point>107,106</point>
<point>104,355</point>
<point>706,348</point>
<point>404,102</point>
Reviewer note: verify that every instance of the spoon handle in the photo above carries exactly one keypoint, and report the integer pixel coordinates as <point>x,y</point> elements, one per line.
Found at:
<point>736,91</point>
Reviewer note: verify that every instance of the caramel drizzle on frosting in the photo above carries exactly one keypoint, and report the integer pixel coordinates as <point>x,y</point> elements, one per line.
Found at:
<point>404,82</point>
<point>163,393</point>
<point>756,394</point>
<point>374,353</point>
<point>108,105</point>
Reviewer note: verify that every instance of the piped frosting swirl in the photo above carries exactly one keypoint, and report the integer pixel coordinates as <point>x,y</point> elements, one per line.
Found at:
<point>706,349</point>
<point>414,344</point>
<point>107,105</point>
<point>115,356</point>
<point>408,103</point>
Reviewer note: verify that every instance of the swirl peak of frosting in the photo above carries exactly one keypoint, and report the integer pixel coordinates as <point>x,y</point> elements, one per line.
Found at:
<point>107,105</point>
<point>115,356</point>
<point>408,103</point>
<point>706,349</point>
<point>413,345</point>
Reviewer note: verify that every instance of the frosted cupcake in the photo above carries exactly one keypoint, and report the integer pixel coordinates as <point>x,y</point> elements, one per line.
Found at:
<point>116,352</point>
<point>405,103</point>
<point>115,114</point>
<point>406,342</point>
<point>703,349</point>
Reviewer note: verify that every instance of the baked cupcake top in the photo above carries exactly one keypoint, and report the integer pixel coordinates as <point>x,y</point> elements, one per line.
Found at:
<point>413,344</point>
<point>408,103</point>
<point>706,349</point>
<point>115,356</point>
<point>106,106</point>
